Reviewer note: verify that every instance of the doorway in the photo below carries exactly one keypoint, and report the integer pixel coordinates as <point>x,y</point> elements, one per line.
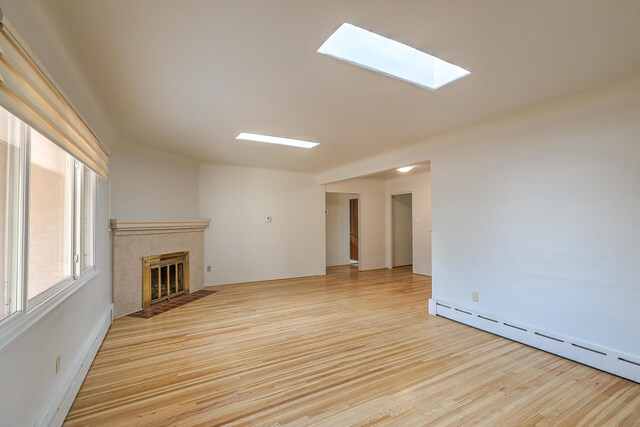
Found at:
<point>402,229</point>
<point>342,224</point>
<point>353,231</point>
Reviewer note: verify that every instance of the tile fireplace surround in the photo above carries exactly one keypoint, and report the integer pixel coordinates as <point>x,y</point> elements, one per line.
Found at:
<point>135,239</point>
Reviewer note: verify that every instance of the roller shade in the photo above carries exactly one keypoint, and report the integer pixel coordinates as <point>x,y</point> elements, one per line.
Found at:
<point>28,93</point>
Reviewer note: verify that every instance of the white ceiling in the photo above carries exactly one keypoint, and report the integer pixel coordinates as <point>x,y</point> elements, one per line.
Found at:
<point>393,173</point>
<point>188,76</point>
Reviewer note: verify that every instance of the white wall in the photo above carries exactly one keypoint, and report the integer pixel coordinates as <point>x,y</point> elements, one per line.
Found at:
<point>240,246</point>
<point>538,213</point>
<point>419,185</point>
<point>540,217</point>
<point>372,213</point>
<point>28,382</point>
<point>401,230</point>
<point>338,228</point>
<point>149,184</point>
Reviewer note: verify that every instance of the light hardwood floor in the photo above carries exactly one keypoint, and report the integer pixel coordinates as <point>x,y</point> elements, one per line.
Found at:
<point>351,348</point>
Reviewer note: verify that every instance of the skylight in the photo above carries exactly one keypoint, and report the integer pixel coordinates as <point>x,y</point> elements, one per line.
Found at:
<point>276,140</point>
<point>372,51</point>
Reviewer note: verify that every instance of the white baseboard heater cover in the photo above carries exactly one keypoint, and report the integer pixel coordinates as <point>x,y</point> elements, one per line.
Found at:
<point>607,360</point>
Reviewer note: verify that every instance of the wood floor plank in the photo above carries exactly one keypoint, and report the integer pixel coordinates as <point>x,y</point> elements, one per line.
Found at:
<point>347,349</point>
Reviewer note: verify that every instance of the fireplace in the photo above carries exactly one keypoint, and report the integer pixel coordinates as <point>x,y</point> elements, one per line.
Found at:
<point>164,277</point>
<point>135,240</point>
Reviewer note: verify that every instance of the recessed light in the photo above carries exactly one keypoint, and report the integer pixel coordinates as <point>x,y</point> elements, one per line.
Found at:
<point>276,140</point>
<point>405,169</point>
<point>372,51</point>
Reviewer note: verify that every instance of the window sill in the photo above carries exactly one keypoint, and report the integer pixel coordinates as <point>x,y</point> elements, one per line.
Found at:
<point>18,323</point>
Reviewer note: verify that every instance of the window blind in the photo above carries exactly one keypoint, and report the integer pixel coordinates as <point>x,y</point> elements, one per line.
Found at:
<point>28,93</point>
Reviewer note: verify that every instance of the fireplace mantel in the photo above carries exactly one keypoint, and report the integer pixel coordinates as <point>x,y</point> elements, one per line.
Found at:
<point>129,226</point>
<point>133,240</point>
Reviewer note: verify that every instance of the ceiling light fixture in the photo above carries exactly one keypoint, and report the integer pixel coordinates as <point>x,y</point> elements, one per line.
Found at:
<point>276,140</point>
<point>372,51</point>
<point>405,169</point>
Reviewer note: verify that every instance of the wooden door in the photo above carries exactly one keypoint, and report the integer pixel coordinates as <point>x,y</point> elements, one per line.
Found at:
<point>353,229</point>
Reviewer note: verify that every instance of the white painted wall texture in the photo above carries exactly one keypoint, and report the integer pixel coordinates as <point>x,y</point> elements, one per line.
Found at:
<point>540,216</point>
<point>240,245</point>
<point>149,184</point>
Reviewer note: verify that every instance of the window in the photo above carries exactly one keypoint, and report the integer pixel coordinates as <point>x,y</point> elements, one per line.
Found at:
<point>51,177</point>
<point>11,155</point>
<point>386,56</point>
<point>47,217</point>
<point>49,161</point>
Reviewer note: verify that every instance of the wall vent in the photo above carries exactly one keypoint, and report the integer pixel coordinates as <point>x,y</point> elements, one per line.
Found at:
<point>548,337</point>
<point>629,361</point>
<point>589,349</point>
<point>514,327</point>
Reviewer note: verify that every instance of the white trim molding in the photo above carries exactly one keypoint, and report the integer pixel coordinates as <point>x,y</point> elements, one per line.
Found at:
<point>127,226</point>
<point>604,359</point>
<point>64,396</point>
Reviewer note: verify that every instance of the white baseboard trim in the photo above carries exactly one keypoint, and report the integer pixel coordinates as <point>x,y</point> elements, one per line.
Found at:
<point>63,399</point>
<point>604,359</point>
<point>433,310</point>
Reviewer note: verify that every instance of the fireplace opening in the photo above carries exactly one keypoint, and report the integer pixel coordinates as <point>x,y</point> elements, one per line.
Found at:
<point>164,277</point>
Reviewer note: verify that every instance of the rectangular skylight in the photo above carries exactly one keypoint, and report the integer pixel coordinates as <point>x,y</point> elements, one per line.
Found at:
<point>372,51</point>
<point>276,140</point>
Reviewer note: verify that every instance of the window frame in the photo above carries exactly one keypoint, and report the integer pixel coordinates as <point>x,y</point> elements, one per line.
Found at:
<point>83,265</point>
<point>29,311</point>
<point>16,219</point>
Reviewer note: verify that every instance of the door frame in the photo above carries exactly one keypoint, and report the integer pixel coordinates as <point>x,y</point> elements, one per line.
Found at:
<point>322,264</point>
<point>389,229</point>
<point>357,199</point>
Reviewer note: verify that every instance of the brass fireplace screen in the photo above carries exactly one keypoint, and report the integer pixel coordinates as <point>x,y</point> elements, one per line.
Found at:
<point>164,277</point>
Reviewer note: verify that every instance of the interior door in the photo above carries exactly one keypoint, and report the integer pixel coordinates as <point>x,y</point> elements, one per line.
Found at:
<point>353,229</point>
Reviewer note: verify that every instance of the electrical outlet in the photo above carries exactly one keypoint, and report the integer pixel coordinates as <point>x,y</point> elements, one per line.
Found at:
<point>474,296</point>
<point>57,364</point>
<point>209,268</point>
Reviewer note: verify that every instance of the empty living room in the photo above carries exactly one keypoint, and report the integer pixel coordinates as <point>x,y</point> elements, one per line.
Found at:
<point>319,213</point>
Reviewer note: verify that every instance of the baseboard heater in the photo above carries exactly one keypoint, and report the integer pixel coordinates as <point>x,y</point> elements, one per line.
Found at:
<point>604,359</point>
